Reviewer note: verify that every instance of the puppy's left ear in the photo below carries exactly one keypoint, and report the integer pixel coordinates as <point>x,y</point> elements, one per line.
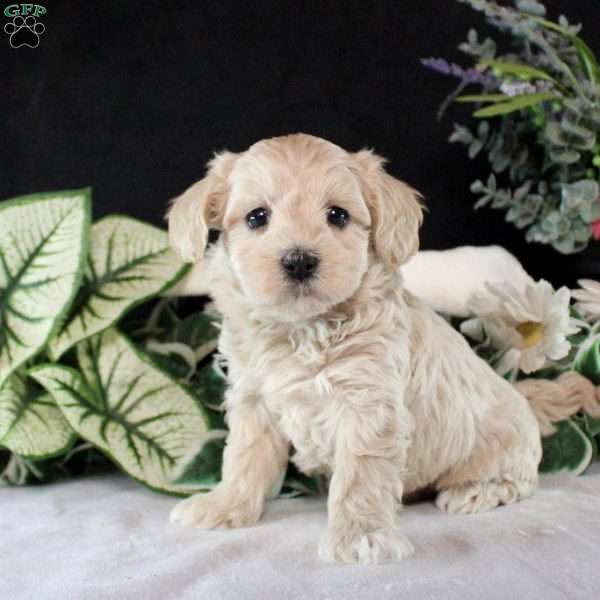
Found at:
<point>395,209</point>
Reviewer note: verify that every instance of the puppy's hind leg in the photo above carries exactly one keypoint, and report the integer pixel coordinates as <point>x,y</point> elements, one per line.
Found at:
<point>483,495</point>
<point>502,469</point>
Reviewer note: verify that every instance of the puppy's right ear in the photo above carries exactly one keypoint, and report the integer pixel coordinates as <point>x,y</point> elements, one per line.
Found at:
<point>199,208</point>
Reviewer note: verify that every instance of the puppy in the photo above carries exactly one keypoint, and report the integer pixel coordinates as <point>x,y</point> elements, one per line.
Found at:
<point>330,358</point>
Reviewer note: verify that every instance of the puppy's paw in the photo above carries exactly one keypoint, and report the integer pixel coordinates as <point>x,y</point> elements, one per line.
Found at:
<point>365,547</point>
<point>477,497</point>
<point>219,509</point>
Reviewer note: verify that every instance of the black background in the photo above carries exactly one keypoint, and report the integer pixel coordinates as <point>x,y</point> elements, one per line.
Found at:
<point>131,98</point>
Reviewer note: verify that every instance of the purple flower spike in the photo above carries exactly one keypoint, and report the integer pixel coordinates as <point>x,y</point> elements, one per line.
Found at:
<point>467,75</point>
<point>437,64</point>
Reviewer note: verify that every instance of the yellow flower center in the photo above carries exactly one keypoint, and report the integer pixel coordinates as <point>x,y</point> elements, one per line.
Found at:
<point>531,332</point>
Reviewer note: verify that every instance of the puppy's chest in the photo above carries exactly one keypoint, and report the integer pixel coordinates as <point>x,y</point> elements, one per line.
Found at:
<point>294,373</point>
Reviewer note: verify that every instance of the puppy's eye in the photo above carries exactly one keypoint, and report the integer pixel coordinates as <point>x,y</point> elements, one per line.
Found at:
<point>338,217</point>
<point>257,218</point>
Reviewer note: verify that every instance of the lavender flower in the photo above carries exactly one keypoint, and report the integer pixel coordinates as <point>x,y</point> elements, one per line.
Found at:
<point>556,144</point>
<point>470,75</point>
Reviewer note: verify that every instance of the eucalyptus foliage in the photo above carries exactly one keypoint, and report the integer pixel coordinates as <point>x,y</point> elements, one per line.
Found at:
<point>539,109</point>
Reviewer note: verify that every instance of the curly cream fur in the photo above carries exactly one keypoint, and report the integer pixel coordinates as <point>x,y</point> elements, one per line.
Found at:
<point>356,376</point>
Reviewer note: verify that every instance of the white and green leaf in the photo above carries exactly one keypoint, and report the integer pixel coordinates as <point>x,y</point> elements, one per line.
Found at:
<point>203,468</point>
<point>129,408</point>
<point>568,450</point>
<point>43,242</point>
<point>129,262</point>
<point>186,343</point>
<point>31,424</point>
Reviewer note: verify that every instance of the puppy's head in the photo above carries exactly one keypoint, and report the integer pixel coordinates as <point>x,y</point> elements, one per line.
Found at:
<point>301,219</point>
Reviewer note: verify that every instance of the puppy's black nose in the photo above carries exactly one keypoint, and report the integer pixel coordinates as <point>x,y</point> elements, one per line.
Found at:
<point>299,264</point>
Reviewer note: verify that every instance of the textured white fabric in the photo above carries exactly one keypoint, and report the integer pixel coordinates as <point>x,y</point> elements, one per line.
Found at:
<point>447,279</point>
<point>108,538</point>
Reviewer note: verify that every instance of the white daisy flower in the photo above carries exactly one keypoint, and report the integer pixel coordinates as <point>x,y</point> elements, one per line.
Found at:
<point>529,325</point>
<point>588,297</point>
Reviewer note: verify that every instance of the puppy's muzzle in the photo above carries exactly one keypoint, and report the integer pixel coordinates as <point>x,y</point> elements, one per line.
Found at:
<point>299,265</point>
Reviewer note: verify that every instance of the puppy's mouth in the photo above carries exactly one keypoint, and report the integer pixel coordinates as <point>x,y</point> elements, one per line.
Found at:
<point>302,290</point>
<point>296,301</point>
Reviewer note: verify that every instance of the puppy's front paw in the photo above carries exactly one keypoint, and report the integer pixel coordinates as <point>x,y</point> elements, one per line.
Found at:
<point>365,547</point>
<point>219,509</point>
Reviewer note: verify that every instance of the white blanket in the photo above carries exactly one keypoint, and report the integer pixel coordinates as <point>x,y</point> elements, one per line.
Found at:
<point>448,279</point>
<point>108,538</point>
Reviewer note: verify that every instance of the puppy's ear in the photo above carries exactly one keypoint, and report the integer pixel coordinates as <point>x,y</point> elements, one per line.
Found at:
<point>199,208</point>
<point>395,209</point>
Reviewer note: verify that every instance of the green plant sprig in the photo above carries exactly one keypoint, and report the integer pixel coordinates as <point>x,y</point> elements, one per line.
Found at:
<point>540,104</point>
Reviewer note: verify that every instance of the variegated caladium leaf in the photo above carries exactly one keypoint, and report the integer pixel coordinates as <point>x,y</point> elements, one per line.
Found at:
<point>587,361</point>
<point>129,262</point>
<point>43,243</point>
<point>186,344</point>
<point>566,450</point>
<point>129,408</point>
<point>203,470</point>
<point>31,424</point>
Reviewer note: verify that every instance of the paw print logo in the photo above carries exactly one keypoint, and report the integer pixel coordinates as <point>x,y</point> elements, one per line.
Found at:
<point>24,31</point>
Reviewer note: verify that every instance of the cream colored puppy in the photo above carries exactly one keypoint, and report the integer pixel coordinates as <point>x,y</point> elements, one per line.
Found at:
<point>331,358</point>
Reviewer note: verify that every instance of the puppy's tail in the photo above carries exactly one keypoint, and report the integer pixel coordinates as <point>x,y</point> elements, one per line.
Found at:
<point>557,400</point>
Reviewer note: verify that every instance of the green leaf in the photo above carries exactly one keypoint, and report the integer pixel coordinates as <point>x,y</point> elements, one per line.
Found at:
<point>593,424</point>
<point>586,55</point>
<point>556,135</point>
<point>296,483</point>
<point>191,340</point>
<point>203,471</point>
<point>461,134</point>
<point>580,137</point>
<point>564,156</point>
<point>30,422</point>
<point>517,103</point>
<point>566,450</point>
<point>129,262</point>
<point>129,408</point>
<point>510,68</point>
<point>482,98</point>
<point>209,382</point>
<point>530,7</point>
<point>590,427</point>
<point>43,242</point>
<point>553,26</point>
<point>17,470</point>
<point>587,59</point>
<point>588,362</point>
<point>200,331</point>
